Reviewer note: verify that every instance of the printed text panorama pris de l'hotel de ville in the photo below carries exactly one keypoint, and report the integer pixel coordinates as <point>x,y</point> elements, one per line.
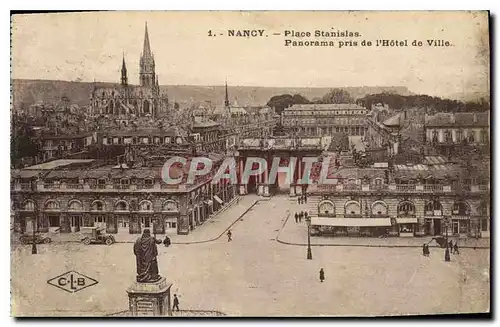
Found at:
<point>335,37</point>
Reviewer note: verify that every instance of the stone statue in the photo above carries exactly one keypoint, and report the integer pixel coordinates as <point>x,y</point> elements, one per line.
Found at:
<point>145,253</point>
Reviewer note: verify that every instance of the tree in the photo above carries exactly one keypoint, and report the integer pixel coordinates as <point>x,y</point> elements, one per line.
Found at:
<point>23,143</point>
<point>280,102</point>
<point>337,96</point>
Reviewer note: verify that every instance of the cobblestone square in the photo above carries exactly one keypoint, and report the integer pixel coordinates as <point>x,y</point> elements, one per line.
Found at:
<point>256,276</point>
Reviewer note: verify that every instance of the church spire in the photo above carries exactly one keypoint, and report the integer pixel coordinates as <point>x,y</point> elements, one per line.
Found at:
<point>226,100</point>
<point>146,51</point>
<point>147,73</point>
<point>124,80</point>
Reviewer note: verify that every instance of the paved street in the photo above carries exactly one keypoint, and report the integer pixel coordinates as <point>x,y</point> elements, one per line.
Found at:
<point>254,275</point>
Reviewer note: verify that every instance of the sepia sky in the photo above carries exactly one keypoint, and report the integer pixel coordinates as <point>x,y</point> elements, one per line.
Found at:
<point>89,46</point>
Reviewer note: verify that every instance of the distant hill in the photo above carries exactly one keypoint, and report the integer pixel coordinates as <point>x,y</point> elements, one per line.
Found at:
<point>27,92</point>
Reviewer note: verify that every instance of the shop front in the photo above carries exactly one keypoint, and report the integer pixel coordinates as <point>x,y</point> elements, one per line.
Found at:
<point>407,226</point>
<point>354,227</point>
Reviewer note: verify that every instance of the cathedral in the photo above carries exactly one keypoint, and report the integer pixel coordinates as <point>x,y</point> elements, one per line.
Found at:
<point>125,101</point>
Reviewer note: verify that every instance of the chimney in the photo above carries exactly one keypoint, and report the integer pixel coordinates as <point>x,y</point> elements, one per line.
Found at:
<point>475,118</point>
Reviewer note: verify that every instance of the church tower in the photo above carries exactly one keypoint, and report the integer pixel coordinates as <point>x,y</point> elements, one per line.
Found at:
<point>147,63</point>
<point>226,100</point>
<point>124,79</point>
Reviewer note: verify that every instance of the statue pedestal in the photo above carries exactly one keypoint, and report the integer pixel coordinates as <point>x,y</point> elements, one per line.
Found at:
<point>150,299</point>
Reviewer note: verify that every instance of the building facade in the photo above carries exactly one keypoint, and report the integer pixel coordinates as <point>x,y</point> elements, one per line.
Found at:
<point>405,200</point>
<point>454,133</point>
<point>325,119</point>
<point>116,199</point>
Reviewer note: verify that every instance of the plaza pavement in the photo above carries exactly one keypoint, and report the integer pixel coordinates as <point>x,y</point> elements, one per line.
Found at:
<point>256,276</point>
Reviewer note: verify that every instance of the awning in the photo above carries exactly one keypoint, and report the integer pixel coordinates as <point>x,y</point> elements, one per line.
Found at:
<point>351,222</point>
<point>218,199</point>
<point>406,220</point>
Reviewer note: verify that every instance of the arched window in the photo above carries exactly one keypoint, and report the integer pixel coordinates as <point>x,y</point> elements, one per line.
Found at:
<point>52,205</point>
<point>97,205</point>
<point>170,205</point>
<point>75,205</point>
<point>145,206</point>
<point>29,205</point>
<point>326,208</point>
<point>121,205</point>
<point>352,208</point>
<point>379,208</point>
<point>406,208</point>
<point>461,208</point>
<point>433,208</point>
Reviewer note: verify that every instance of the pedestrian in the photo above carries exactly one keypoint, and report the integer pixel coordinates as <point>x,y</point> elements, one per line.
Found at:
<point>455,248</point>
<point>450,245</point>
<point>166,241</point>
<point>425,250</point>
<point>305,198</point>
<point>229,234</point>
<point>298,200</point>
<point>296,217</point>
<point>176,303</point>
<point>321,275</point>
<point>301,215</point>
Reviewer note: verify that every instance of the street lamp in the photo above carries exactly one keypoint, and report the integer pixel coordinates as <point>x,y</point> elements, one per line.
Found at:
<point>309,253</point>
<point>33,246</point>
<point>154,228</point>
<point>34,226</point>
<point>447,251</point>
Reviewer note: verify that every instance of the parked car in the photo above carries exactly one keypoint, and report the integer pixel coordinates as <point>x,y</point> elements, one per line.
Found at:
<point>39,238</point>
<point>96,235</point>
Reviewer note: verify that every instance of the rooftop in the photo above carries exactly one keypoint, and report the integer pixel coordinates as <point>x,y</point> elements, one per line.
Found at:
<point>393,121</point>
<point>201,122</point>
<point>59,164</point>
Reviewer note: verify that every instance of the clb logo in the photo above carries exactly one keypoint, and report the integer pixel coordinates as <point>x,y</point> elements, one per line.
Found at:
<point>72,281</point>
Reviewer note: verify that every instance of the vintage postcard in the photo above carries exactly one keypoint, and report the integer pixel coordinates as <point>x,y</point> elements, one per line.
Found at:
<point>250,164</point>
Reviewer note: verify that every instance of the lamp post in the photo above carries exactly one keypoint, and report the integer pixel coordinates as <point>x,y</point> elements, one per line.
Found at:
<point>447,251</point>
<point>309,253</point>
<point>154,228</point>
<point>34,226</point>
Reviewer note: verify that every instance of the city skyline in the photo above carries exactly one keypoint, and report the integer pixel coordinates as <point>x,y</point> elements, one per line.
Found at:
<point>185,55</point>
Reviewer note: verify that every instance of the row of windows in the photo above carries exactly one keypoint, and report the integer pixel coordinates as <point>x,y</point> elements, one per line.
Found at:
<point>405,208</point>
<point>470,136</point>
<point>141,140</point>
<point>98,205</point>
<point>324,113</point>
<point>325,121</point>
